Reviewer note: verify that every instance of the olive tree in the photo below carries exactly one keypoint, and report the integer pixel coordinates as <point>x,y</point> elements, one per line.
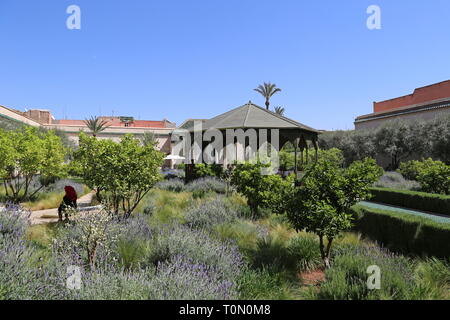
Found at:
<point>121,172</point>
<point>327,191</point>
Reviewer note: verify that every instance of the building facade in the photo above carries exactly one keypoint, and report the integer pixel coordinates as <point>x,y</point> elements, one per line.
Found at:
<point>116,126</point>
<point>425,103</point>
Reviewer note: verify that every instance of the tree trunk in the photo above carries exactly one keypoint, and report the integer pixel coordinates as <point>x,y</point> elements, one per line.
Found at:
<point>325,252</point>
<point>267,104</point>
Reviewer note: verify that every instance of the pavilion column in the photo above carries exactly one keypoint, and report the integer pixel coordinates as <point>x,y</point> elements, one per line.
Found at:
<point>301,157</point>
<point>307,154</point>
<point>316,148</point>
<point>296,141</point>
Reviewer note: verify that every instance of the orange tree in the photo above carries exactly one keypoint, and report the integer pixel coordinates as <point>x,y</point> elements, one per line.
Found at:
<point>327,191</point>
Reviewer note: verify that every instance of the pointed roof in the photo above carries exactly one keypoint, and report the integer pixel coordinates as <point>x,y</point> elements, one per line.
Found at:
<point>253,116</point>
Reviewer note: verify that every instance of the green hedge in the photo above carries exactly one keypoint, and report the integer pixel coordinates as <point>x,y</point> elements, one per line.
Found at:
<point>403,232</point>
<point>413,200</point>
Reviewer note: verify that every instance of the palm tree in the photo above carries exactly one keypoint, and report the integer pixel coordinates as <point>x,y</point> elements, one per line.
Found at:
<point>96,125</point>
<point>279,111</point>
<point>149,138</point>
<point>267,90</point>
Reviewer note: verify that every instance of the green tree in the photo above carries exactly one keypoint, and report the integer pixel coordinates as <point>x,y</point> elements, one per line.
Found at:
<point>326,193</point>
<point>96,125</point>
<point>261,190</point>
<point>28,153</point>
<point>267,90</point>
<point>121,173</point>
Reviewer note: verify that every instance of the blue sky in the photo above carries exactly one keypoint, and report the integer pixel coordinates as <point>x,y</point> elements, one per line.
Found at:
<point>182,59</point>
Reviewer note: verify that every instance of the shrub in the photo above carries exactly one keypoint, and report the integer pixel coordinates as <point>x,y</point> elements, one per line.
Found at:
<point>305,252</point>
<point>262,284</point>
<point>263,191</point>
<point>410,169</point>
<point>435,178</point>
<point>347,280</point>
<point>404,232</point>
<point>413,200</point>
<point>22,276</point>
<point>183,278</point>
<point>395,180</point>
<point>210,214</point>
<point>174,185</point>
<point>197,246</point>
<point>205,185</point>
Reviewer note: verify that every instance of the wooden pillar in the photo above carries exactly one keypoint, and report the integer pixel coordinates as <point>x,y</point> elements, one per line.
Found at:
<point>295,156</point>
<point>307,154</point>
<point>316,148</point>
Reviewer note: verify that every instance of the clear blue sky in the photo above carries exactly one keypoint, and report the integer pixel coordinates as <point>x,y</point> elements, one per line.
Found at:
<point>181,59</point>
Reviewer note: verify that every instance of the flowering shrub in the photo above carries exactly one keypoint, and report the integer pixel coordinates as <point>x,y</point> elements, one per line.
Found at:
<point>22,275</point>
<point>395,180</point>
<point>348,277</point>
<point>210,214</point>
<point>174,185</point>
<point>207,184</point>
<point>197,246</point>
<point>90,236</point>
<point>183,278</point>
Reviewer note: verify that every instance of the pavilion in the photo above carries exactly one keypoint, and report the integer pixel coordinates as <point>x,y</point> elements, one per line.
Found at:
<point>255,119</point>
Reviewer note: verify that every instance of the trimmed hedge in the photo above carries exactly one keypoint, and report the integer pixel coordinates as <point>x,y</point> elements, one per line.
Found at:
<point>423,201</point>
<point>402,232</point>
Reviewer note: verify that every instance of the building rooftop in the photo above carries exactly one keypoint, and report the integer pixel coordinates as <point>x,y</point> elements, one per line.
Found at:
<point>421,95</point>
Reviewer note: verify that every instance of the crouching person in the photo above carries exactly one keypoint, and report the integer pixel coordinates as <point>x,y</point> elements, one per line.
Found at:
<point>69,202</point>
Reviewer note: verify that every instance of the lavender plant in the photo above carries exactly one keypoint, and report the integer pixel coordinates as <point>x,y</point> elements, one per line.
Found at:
<point>210,214</point>
<point>183,278</point>
<point>198,246</point>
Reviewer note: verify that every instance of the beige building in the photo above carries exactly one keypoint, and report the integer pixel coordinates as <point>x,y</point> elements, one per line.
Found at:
<point>117,126</point>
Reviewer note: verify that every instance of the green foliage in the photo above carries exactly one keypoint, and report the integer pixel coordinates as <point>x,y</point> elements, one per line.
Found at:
<point>208,170</point>
<point>267,90</point>
<point>96,125</point>
<point>403,232</point>
<point>122,172</point>
<point>412,199</point>
<point>326,193</point>
<point>411,169</point>
<point>261,190</point>
<point>395,140</point>
<point>433,176</point>
<point>26,153</point>
<point>347,280</point>
<point>263,284</point>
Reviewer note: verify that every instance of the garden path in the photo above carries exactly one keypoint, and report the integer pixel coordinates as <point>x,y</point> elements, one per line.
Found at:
<point>51,215</point>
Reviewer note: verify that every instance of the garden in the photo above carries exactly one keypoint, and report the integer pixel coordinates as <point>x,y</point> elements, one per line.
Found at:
<point>229,234</point>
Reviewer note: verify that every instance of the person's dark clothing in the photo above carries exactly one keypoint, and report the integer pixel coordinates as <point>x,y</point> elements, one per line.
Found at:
<point>69,201</point>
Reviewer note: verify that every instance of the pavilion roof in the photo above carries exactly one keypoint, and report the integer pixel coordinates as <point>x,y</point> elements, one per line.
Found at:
<point>253,116</point>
